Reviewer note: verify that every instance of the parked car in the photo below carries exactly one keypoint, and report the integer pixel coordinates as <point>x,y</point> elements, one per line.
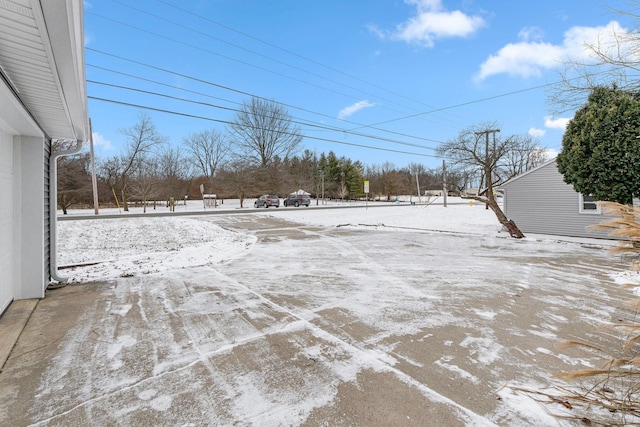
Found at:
<point>297,200</point>
<point>267,200</point>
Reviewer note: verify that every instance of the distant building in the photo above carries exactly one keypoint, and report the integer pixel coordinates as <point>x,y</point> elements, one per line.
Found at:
<point>539,201</point>
<point>42,98</point>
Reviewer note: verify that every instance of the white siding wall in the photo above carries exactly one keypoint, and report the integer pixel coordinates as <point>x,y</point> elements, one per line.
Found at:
<point>30,220</point>
<point>7,266</point>
<point>541,202</point>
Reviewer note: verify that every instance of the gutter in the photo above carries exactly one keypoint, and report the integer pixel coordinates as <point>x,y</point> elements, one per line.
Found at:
<point>53,209</point>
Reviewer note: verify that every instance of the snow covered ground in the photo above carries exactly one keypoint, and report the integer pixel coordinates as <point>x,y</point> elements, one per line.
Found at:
<point>306,316</point>
<point>149,244</point>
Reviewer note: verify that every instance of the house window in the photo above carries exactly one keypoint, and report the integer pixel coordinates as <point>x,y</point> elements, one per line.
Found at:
<point>588,205</point>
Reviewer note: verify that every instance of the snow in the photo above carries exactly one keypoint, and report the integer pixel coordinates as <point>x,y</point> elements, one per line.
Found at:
<point>429,294</point>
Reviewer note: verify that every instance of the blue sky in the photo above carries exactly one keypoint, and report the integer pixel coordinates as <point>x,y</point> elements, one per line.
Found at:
<point>400,76</point>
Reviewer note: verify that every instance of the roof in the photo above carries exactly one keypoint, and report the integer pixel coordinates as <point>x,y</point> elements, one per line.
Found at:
<point>42,62</point>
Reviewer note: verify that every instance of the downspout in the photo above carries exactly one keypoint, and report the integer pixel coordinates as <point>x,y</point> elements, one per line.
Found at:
<point>53,209</point>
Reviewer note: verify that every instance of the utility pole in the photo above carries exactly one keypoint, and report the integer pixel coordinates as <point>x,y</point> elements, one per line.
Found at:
<point>323,187</point>
<point>94,181</point>
<point>444,182</point>
<point>487,164</point>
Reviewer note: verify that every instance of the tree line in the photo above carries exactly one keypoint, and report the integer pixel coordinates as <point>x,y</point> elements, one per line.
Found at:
<point>258,153</point>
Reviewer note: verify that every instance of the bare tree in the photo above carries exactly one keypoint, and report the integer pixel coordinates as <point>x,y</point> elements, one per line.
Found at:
<point>109,172</point>
<point>391,180</point>
<point>238,177</point>
<point>141,138</point>
<point>263,131</point>
<point>145,182</point>
<point>475,148</point>
<point>301,172</point>
<point>208,150</point>
<point>614,58</point>
<point>74,180</point>
<point>525,154</point>
<point>174,172</point>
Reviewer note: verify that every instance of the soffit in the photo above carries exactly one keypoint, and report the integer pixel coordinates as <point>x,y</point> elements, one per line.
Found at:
<point>41,55</point>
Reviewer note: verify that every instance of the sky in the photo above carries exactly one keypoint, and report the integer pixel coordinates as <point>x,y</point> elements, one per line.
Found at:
<point>375,81</point>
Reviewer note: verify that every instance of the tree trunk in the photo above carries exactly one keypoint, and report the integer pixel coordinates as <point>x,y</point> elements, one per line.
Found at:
<point>511,226</point>
<point>490,200</point>
<point>123,196</point>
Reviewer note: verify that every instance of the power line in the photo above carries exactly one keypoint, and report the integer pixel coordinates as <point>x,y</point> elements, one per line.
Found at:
<point>287,51</point>
<point>207,82</point>
<point>236,46</point>
<point>229,58</point>
<point>462,104</point>
<point>161,110</point>
<point>304,123</point>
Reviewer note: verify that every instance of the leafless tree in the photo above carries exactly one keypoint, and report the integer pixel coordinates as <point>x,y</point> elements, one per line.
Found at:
<point>109,172</point>
<point>145,182</point>
<point>480,147</point>
<point>525,154</point>
<point>263,131</point>
<point>208,150</point>
<point>301,172</point>
<point>141,139</point>
<point>74,180</point>
<point>238,177</point>
<point>614,58</point>
<point>174,172</point>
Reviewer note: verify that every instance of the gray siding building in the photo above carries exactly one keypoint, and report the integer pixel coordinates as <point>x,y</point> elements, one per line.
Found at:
<point>539,201</point>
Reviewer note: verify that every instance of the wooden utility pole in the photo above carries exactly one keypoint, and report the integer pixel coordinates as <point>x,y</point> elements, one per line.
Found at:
<point>444,183</point>
<point>489,164</point>
<point>94,181</point>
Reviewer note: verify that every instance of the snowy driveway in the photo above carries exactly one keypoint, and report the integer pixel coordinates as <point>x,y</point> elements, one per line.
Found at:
<point>317,325</point>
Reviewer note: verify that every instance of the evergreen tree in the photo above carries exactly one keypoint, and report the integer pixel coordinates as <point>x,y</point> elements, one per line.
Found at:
<point>601,150</point>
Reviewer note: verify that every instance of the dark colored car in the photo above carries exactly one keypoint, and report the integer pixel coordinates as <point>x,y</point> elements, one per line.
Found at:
<point>297,200</point>
<point>266,201</point>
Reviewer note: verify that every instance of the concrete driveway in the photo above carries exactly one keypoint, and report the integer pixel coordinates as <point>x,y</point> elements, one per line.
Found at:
<point>351,331</point>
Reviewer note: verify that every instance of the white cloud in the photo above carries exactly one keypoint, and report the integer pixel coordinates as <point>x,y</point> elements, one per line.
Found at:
<point>432,22</point>
<point>560,123</point>
<point>530,33</point>
<point>530,58</point>
<point>100,142</point>
<point>352,109</point>
<point>550,153</point>
<point>537,133</point>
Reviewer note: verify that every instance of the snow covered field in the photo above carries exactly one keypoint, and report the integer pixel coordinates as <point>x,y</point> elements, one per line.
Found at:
<point>145,245</point>
<point>394,315</point>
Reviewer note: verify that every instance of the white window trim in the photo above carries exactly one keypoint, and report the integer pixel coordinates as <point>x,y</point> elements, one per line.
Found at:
<point>581,209</point>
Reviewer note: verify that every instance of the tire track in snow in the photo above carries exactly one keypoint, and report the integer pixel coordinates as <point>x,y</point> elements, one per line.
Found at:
<point>377,360</point>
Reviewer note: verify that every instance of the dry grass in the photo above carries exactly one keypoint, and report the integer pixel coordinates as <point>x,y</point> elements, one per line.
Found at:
<point>610,395</point>
<point>625,226</point>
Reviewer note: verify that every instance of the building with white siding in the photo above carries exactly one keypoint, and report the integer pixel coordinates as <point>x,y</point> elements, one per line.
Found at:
<point>42,98</point>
